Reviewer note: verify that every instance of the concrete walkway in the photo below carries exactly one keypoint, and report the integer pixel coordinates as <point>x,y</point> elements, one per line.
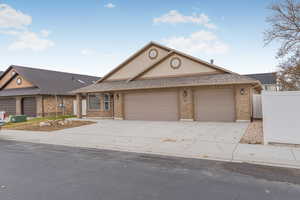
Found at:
<point>217,141</point>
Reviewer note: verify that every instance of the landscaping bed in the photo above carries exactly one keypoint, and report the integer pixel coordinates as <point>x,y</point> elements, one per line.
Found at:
<point>254,133</point>
<point>47,124</point>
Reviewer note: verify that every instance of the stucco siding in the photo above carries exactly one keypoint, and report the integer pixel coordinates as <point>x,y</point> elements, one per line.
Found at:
<point>188,67</point>
<point>138,64</point>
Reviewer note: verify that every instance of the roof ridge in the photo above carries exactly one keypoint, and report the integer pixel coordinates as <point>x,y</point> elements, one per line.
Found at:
<point>40,69</point>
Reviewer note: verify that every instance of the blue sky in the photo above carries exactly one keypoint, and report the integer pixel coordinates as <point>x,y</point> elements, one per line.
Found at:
<point>93,36</point>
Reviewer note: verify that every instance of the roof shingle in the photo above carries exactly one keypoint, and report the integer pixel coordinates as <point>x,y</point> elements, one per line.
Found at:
<point>264,78</point>
<point>49,82</point>
<point>216,79</point>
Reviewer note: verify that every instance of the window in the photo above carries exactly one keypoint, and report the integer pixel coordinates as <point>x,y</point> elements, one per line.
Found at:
<point>106,102</point>
<point>19,81</point>
<point>94,102</point>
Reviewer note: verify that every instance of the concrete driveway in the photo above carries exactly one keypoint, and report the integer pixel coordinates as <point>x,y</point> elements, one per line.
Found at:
<point>187,139</point>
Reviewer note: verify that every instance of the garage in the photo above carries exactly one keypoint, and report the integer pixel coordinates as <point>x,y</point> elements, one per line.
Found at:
<point>8,105</point>
<point>155,105</point>
<point>214,105</point>
<point>29,106</point>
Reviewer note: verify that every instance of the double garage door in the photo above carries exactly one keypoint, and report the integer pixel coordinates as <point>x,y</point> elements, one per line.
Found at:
<point>163,105</point>
<point>28,106</point>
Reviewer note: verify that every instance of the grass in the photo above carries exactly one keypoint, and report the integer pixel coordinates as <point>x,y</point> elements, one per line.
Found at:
<point>36,120</point>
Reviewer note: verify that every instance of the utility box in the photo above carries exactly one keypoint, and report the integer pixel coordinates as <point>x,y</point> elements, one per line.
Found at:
<point>18,118</point>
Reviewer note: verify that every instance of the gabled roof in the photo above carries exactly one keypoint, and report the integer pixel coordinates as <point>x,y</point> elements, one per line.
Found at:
<point>264,78</point>
<point>200,80</point>
<point>50,82</point>
<point>166,48</point>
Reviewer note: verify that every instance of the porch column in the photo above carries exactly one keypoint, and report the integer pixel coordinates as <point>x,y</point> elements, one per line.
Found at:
<point>118,106</point>
<point>18,105</point>
<point>39,106</point>
<point>186,104</point>
<point>79,105</point>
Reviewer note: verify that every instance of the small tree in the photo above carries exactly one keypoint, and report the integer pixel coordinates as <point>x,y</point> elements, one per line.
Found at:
<point>288,76</point>
<point>285,28</point>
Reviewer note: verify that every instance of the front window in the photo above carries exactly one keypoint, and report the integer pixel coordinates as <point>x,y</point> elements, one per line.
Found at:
<point>94,102</point>
<point>106,102</point>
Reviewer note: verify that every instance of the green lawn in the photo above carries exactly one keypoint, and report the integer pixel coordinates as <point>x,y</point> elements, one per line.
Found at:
<point>36,120</point>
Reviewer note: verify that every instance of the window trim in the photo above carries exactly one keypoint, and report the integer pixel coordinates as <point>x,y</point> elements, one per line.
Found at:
<point>106,101</point>
<point>99,100</point>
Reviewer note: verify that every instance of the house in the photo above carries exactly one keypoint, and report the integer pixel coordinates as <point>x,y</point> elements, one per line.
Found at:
<point>38,92</point>
<point>160,83</point>
<point>268,80</point>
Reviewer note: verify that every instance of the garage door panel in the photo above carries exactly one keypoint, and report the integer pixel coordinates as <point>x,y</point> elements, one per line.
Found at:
<point>158,106</point>
<point>29,106</point>
<point>8,105</point>
<point>214,105</point>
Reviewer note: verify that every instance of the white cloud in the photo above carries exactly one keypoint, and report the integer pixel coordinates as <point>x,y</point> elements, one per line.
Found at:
<point>30,40</point>
<point>201,42</point>
<point>11,18</point>
<point>175,17</point>
<point>109,5</point>
<point>15,23</point>
<point>87,52</point>
<point>45,33</point>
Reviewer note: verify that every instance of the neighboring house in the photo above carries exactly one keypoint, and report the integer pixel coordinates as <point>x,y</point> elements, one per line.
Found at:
<point>160,83</point>
<point>268,80</point>
<point>38,92</point>
<point>1,72</point>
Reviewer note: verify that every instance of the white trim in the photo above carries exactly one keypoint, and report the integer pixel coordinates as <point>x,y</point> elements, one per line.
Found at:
<point>243,121</point>
<point>187,120</point>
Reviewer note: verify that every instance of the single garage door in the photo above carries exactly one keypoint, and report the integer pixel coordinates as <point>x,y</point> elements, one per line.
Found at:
<point>156,106</point>
<point>8,105</point>
<point>29,106</point>
<point>214,105</point>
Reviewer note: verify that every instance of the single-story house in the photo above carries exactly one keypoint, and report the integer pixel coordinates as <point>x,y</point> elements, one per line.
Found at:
<point>38,92</point>
<point>160,83</point>
<point>268,80</point>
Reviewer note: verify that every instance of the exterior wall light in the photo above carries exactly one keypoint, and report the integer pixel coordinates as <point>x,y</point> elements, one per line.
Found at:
<point>184,93</point>
<point>242,91</point>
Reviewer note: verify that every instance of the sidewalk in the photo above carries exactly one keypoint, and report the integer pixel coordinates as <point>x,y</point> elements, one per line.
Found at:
<point>190,145</point>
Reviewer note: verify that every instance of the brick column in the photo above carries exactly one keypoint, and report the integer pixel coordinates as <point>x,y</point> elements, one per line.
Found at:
<point>39,106</point>
<point>18,105</point>
<point>79,105</point>
<point>186,104</point>
<point>118,106</point>
<point>243,103</point>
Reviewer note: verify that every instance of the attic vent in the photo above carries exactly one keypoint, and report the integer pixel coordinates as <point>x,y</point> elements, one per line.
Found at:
<point>80,81</point>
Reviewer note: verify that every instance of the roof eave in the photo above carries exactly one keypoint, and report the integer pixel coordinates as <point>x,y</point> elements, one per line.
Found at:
<point>253,83</point>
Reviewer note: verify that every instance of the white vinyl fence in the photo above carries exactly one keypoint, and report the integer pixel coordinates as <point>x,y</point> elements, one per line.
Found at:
<point>281,117</point>
<point>257,106</point>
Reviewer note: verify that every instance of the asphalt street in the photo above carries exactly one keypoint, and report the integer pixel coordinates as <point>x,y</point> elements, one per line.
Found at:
<point>47,172</point>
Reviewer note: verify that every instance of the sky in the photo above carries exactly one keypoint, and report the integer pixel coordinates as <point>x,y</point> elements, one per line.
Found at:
<point>94,36</point>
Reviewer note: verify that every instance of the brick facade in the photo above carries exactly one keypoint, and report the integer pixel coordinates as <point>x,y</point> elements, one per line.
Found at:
<point>118,106</point>
<point>243,102</point>
<point>51,105</point>
<point>186,102</point>
<point>242,98</point>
